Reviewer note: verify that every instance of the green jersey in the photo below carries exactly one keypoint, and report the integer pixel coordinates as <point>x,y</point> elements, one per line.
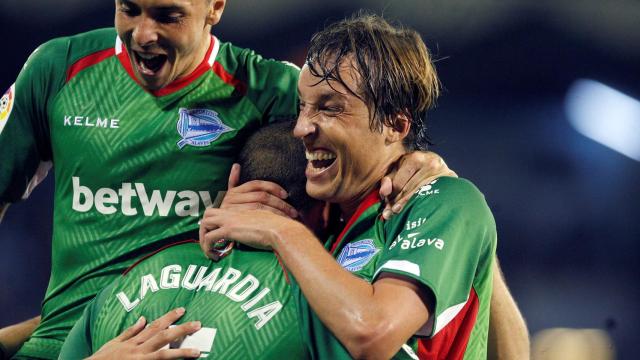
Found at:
<point>244,303</point>
<point>444,239</point>
<point>132,167</point>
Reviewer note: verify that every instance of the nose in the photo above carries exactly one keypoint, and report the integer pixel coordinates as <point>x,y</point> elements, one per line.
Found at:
<point>305,125</point>
<point>145,33</point>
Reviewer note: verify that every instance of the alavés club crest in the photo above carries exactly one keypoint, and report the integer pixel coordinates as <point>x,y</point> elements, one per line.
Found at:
<point>354,256</point>
<point>199,127</point>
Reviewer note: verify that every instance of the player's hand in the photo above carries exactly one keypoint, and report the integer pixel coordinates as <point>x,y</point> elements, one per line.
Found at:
<point>412,171</point>
<point>256,228</point>
<point>256,195</point>
<point>138,342</point>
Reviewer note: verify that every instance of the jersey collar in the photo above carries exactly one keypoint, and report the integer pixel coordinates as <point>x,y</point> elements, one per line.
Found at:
<point>371,199</point>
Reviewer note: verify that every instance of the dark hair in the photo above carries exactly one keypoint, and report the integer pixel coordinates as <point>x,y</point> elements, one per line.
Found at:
<point>273,154</point>
<point>394,65</point>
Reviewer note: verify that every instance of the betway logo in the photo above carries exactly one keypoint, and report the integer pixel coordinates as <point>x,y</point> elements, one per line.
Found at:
<point>109,201</point>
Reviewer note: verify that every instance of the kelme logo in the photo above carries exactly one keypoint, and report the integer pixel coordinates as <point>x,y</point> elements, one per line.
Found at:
<point>199,127</point>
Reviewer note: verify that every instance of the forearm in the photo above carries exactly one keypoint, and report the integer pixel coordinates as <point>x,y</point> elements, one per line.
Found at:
<point>508,334</point>
<point>12,337</point>
<point>348,306</point>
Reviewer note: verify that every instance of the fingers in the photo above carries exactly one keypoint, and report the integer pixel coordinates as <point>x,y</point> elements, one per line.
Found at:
<point>208,241</point>
<point>260,201</point>
<point>133,330</point>
<point>414,171</point>
<point>234,176</point>
<point>260,195</point>
<point>260,185</point>
<point>172,334</point>
<point>159,324</point>
<point>386,186</point>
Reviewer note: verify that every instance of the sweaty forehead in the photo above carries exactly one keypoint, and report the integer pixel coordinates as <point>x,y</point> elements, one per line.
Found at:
<point>164,3</point>
<point>312,86</point>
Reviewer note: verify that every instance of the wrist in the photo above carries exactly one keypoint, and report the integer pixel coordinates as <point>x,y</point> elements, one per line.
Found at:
<point>291,231</point>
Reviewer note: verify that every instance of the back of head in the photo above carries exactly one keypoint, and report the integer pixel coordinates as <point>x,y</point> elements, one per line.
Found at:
<point>273,154</point>
<point>397,76</point>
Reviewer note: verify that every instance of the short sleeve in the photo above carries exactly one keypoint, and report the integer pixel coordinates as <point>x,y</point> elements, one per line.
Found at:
<point>24,127</point>
<point>272,88</point>
<point>442,238</point>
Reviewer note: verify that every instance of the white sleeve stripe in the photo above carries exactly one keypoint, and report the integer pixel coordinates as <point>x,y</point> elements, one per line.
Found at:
<point>446,316</point>
<point>401,265</point>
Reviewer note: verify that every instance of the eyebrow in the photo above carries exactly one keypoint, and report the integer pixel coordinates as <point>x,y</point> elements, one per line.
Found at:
<point>326,96</point>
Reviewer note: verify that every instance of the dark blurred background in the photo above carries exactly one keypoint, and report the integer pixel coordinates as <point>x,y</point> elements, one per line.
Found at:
<point>540,111</point>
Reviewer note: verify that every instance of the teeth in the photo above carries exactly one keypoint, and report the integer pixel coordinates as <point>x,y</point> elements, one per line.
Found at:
<point>319,155</point>
<point>317,170</point>
<point>147,56</point>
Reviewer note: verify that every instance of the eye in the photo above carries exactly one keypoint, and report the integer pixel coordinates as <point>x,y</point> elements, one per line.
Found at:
<point>331,110</point>
<point>169,17</point>
<point>128,10</point>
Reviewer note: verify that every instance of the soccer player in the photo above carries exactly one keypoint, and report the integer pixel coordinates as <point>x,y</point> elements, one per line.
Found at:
<point>141,123</point>
<point>417,285</point>
<point>242,304</point>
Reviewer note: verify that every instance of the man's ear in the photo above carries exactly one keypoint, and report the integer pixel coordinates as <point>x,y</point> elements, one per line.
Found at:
<point>216,8</point>
<point>399,130</point>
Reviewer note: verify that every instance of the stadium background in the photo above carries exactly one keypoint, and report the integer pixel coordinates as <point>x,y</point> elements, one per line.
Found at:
<point>567,207</point>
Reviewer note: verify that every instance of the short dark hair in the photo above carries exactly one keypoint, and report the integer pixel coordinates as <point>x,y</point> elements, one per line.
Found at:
<point>273,154</point>
<point>394,65</point>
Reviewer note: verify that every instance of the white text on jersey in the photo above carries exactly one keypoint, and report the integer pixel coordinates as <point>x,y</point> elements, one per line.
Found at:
<point>244,289</point>
<point>106,200</point>
<point>86,121</point>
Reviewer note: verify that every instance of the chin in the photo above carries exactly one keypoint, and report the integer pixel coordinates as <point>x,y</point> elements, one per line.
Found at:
<point>318,193</point>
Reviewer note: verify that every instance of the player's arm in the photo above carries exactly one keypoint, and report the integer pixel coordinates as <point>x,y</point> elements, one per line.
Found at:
<point>12,337</point>
<point>24,126</point>
<point>411,172</point>
<point>364,316</point>
<point>508,334</point>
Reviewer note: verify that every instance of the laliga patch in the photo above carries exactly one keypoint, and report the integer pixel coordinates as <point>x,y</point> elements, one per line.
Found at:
<point>199,127</point>
<point>6,105</point>
<point>357,254</point>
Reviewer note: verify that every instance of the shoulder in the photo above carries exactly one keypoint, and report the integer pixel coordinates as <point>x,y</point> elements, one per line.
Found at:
<point>64,51</point>
<point>451,199</point>
<point>448,191</point>
<point>251,66</point>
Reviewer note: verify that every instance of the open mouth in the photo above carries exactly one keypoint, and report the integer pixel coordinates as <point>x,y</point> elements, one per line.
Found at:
<point>320,160</point>
<point>149,64</point>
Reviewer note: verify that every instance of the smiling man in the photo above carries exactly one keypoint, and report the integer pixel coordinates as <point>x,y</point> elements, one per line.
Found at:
<point>141,123</point>
<point>416,286</point>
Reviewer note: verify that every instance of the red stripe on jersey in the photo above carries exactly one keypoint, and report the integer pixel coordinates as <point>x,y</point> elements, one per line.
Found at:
<point>229,79</point>
<point>284,269</point>
<point>181,83</point>
<point>89,60</point>
<point>155,252</point>
<point>368,201</point>
<point>451,342</point>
